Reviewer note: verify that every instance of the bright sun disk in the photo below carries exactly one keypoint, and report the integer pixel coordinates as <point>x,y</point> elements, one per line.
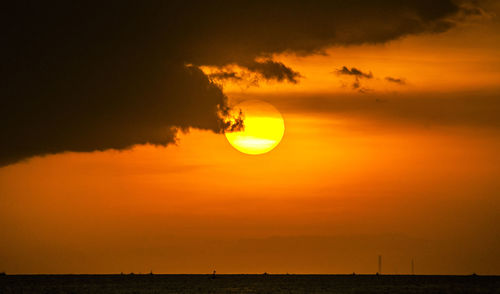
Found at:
<point>263,128</point>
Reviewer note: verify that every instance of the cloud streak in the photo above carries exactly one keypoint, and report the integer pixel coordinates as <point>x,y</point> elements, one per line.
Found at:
<point>395,80</point>
<point>478,110</point>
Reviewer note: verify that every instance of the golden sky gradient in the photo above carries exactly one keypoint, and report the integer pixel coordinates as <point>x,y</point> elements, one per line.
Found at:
<point>407,171</point>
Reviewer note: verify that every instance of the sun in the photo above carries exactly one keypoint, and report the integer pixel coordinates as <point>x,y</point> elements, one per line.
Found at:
<point>263,128</point>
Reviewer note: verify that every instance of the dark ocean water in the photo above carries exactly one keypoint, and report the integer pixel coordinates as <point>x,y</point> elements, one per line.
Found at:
<point>247,284</point>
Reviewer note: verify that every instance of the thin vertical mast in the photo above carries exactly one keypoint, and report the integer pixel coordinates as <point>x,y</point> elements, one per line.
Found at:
<point>380,264</point>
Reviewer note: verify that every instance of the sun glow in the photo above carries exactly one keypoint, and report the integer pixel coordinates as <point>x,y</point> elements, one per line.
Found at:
<point>263,128</point>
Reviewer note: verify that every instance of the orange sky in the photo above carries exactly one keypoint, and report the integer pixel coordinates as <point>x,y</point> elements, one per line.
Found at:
<point>407,171</point>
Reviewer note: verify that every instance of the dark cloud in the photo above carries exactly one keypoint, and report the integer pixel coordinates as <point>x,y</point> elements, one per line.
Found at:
<point>252,72</point>
<point>354,72</point>
<point>271,70</point>
<point>356,84</point>
<point>239,31</point>
<point>102,113</point>
<point>225,75</point>
<point>357,74</point>
<point>84,76</point>
<point>395,80</point>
